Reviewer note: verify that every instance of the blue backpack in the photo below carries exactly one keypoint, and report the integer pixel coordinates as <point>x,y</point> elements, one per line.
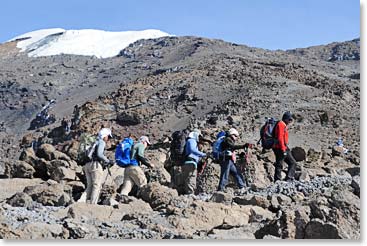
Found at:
<point>217,145</point>
<point>123,152</point>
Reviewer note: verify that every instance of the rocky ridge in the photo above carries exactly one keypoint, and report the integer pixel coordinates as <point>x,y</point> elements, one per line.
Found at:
<point>155,87</point>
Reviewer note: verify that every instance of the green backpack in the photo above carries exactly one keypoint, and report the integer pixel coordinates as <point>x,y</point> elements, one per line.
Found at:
<point>88,143</point>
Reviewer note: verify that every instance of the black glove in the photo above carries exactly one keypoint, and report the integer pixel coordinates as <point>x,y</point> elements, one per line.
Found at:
<point>108,164</point>
<point>111,163</point>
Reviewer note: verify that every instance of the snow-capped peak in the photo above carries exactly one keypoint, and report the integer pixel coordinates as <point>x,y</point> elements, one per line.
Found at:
<point>88,42</point>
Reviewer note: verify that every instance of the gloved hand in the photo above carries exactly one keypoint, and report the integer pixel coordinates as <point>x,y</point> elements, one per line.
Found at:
<point>111,163</point>
<point>108,164</point>
<point>285,153</point>
<point>246,145</point>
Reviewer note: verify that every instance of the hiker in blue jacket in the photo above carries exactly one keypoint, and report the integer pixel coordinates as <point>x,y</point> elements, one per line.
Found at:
<point>192,157</point>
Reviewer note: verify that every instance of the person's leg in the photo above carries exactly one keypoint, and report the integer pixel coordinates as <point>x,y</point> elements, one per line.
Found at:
<point>224,175</point>
<point>279,157</point>
<point>97,179</point>
<point>138,177</point>
<point>190,186</point>
<point>289,159</point>
<point>238,176</point>
<point>128,182</point>
<point>88,176</point>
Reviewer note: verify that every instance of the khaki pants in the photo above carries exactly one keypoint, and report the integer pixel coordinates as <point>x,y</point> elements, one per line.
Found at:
<point>189,172</point>
<point>95,177</point>
<point>133,175</point>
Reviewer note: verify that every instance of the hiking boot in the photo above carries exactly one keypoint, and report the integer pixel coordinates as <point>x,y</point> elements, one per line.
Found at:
<point>290,180</point>
<point>242,191</point>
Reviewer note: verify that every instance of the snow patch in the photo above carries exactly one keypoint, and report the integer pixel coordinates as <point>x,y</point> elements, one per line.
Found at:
<point>88,42</point>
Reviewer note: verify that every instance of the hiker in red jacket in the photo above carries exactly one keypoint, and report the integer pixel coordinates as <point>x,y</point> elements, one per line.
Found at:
<point>281,150</point>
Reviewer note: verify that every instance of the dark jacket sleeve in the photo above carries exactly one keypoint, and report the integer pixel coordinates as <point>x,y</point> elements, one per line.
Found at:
<point>143,160</point>
<point>229,144</point>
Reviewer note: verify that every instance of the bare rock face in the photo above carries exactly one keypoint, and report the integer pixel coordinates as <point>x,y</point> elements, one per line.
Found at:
<point>3,169</point>
<point>20,199</point>
<point>156,194</point>
<point>40,230</point>
<point>254,200</point>
<point>50,194</point>
<point>222,197</point>
<point>356,185</point>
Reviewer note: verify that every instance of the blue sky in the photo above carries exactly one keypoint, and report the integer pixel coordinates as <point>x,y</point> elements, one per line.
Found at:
<point>270,24</point>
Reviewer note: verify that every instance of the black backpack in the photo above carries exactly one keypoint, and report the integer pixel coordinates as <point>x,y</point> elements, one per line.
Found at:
<point>267,133</point>
<point>177,147</point>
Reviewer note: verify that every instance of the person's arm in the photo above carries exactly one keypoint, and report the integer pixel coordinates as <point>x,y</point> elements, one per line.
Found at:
<point>193,149</point>
<point>280,134</point>
<point>100,149</point>
<point>140,157</point>
<point>230,144</point>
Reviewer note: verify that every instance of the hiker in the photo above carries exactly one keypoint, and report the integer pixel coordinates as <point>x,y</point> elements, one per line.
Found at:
<point>66,124</point>
<point>192,157</point>
<point>228,160</point>
<point>94,170</point>
<point>281,150</point>
<point>133,173</point>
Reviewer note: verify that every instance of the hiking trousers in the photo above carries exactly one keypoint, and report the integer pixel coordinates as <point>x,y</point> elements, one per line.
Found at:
<point>289,159</point>
<point>95,176</point>
<point>133,175</point>
<point>189,172</point>
<point>227,167</point>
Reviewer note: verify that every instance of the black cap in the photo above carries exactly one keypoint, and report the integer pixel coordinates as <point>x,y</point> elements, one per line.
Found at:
<point>287,116</point>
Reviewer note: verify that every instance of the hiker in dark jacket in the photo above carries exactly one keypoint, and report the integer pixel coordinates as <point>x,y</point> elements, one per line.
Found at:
<point>281,150</point>
<point>228,161</point>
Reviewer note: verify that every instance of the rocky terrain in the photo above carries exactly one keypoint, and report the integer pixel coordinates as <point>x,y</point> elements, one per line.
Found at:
<point>157,86</point>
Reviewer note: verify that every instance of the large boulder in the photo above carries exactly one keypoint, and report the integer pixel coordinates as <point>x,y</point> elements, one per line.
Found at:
<point>39,164</point>
<point>91,212</point>
<point>46,151</point>
<point>299,153</point>
<point>22,169</point>
<point>9,187</point>
<point>203,216</point>
<point>156,194</point>
<point>28,156</point>
<point>318,229</point>
<point>61,170</point>
<point>20,199</point>
<point>50,194</point>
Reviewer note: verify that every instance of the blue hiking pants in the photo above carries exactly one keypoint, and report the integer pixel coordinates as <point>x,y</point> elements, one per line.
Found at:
<point>227,167</point>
